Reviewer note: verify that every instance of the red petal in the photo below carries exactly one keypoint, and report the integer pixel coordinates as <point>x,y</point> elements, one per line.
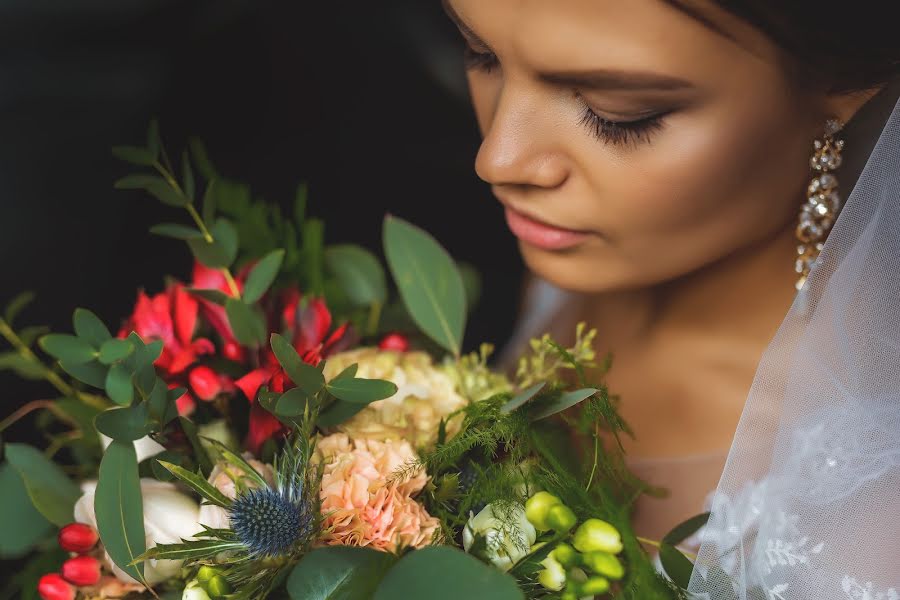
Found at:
<point>335,337</point>
<point>53,587</point>
<point>186,404</point>
<point>263,425</point>
<point>206,278</point>
<point>233,351</point>
<point>185,315</point>
<point>203,346</point>
<point>205,383</point>
<point>251,382</point>
<point>315,321</point>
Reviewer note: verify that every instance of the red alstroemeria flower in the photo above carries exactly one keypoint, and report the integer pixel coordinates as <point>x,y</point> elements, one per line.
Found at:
<point>206,278</point>
<point>170,316</point>
<point>308,329</point>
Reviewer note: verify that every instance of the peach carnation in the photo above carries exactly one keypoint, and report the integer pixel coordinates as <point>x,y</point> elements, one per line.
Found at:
<point>363,504</point>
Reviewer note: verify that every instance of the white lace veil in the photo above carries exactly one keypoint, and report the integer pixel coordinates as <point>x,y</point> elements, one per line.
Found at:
<point>808,506</point>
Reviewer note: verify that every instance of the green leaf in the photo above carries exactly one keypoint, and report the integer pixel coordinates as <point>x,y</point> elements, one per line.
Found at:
<point>563,402</point>
<point>338,413</point>
<point>262,276</point>
<point>21,366</point>
<point>214,296</point>
<point>114,350</point>
<point>522,397</point>
<point>125,424</point>
<point>136,182</point>
<point>190,432</point>
<point>201,158</point>
<point>429,282</point>
<point>119,507</point>
<point>686,529</point>
<point>22,525</point>
<point>80,415</point>
<point>238,461</point>
<point>292,403</point>
<point>361,391</point>
<point>472,284</point>
<point>192,550</point>
<point>676,565</point>
<point>163,191</point>
<point>68,348</point>
<point>118,385</point>
<point>307,377</point>
<point>249,329</point>
<point>134,155</point>
<point>187,175</point>
<point>221,253</point>
<point>359,273</point>
<point>176,231</point>
<point>348,373</point>
<point>91,373</point>
<point>301,198</point>
<point>90,328</point>
<point>312,255</point>
<point>17,305</point>
<point>445,573</point>
<point>30,334</point>
<point>209,201</point>
<point>154,141</point>
<point>52,492</point>
<point>161,402</point>
<point>339,573</point>
<point>199,484</point>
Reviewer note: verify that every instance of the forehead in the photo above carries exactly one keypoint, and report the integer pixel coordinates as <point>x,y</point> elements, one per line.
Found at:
<point>639,34</point>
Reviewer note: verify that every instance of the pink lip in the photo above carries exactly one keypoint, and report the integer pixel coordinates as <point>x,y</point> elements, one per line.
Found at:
<point>542,235</point>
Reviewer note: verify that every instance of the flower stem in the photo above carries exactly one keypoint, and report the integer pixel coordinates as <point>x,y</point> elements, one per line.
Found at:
<point>200,224</point>
<point>656,544</point>
<point>232,284</point>
<point>374,318</point>
<point>22,411</point>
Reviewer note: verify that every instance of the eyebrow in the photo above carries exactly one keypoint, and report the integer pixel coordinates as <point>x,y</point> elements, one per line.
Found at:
<point>603,79</point>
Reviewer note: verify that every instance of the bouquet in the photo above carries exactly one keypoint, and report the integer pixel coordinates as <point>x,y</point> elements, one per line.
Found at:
<point>286,425</point>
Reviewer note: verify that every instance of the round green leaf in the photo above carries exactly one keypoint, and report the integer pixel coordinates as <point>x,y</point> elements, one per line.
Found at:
<point>118,385</point>
<point>262,276</point>
<point>91,373</point>
<point>119,507</point>
<point>338,413</point>
<point>115,350</point>
<point>676,565</point>
<point>248,327</point>
<point>359,273</point>
<point>22,525</point>
<point>445,573</point>
<point>292,403</point>
<point>361,391</point>
<point>307,377</point>
<point>90,328</point>
<point>429,282</point>
<point>339,573</point>
<point>68,348</point>
<point>52,492</point>
<point>127,424</point>
<point>222,251</point>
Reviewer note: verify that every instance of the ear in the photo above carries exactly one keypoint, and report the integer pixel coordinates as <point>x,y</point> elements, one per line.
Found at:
<point>845,105</point>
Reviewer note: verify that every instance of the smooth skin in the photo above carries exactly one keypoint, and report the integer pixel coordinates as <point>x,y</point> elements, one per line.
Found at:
<point>688,266</point>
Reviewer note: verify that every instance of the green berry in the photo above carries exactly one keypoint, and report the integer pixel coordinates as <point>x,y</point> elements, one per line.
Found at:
<point>604,564</point>
<point>560,518</point>
<point>566,556</point>
<point>593,586</point>
<point>218,586</point>
<point>206,573</point>
<point>538,507</point>
<point>594,535</point>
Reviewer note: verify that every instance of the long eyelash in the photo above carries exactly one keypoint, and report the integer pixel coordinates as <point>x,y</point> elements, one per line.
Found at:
<point>482,61</point>
<point>621,132</point>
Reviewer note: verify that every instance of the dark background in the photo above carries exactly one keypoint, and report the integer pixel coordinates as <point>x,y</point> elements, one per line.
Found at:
<point>364,100</point>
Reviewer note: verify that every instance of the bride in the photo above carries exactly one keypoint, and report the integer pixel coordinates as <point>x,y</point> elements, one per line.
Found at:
<point>674,173</point>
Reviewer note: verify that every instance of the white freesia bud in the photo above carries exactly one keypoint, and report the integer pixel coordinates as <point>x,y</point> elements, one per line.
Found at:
<point>169,517</point>
<point>193,591</point>
<point>144,447</point>
<point>506,533</point>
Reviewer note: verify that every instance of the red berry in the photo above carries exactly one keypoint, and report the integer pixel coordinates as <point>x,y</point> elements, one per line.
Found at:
<point>232,351</point>
<point>53,587</point>
<point>78,537</point>
<point>81,570</point>
<point>394,341</point>
<point>205,382</point>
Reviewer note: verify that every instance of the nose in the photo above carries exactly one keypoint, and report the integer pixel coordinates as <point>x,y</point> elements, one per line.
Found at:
<point>519,147</point>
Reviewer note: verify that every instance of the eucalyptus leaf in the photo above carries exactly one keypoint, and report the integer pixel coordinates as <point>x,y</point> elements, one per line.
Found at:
<point>563,402</point>
<point>214,296</point>
<point>176,231</point>
<point>686,529</point>
<point>17,305</point>
<point>339,412</point>
<point>187,175</point>
<point>262,276</point>
<point>118,385</point>
<point>348,373</point>
<point>91,373</point>
<point>359,272</point>
<point>209,201</point>
<point>339,573</point>
<point>134,155</point>
<point>80,415</point>
<point>22,525</point>
<point>292,403</point>
<point>69,348</point>
<point>164,191</point>
<point>676,565</point>
<point>429,282</point>
<point>445,573</point>
<point>522,397</point>
<point>50,489</point>
<point>306,377</point>
<point>248,328</point>
<point>190,432</point>
<point>90,328</point>
<point>125,424</point>
<point>219,254</point>
<point>361,391</point>
<point>119,507</point>
<point>471,279</point>
<point>115,350</point>
<point>199,484</point>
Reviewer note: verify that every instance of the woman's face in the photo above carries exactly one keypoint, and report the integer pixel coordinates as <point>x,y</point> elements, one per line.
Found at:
<point>630,143</point>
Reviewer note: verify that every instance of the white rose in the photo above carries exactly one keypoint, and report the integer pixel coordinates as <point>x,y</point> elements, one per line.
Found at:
<point>169,517</point>
<point>144,447</point>
<point>507,534</point>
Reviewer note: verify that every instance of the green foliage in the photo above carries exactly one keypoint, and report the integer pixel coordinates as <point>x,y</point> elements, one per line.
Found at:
<point>361,391</point>
<point>339,573</point>
<point>246,322</point>
<point>50,489</point>
<point>307,377</point>
<point>118,505</point>
<point>21,523</point>
<point>219,252</point>
<point>198,483</point>
<point>262,276</point>
<point>548,360</point>
<point>359,272</point>
<point>16,306</point>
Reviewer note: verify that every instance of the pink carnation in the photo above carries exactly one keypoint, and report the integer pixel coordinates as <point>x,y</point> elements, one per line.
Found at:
<point>362,504</point>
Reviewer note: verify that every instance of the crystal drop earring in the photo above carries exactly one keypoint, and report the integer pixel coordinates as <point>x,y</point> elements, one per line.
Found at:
<point>823,203</point>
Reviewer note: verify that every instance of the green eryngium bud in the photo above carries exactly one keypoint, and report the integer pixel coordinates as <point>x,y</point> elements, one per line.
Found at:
<point>218,586</point>
<point>206,573</point>
<point>594,535</point>
<point>604,564</point>
<point>560,518</point>
<point>566,556</point>
<point>538,507</point>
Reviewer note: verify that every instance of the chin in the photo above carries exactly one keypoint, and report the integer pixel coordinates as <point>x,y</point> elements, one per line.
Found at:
<point>581,271</point>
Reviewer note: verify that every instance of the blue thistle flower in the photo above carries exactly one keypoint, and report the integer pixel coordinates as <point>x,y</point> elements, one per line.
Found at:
<point>269,522</point>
